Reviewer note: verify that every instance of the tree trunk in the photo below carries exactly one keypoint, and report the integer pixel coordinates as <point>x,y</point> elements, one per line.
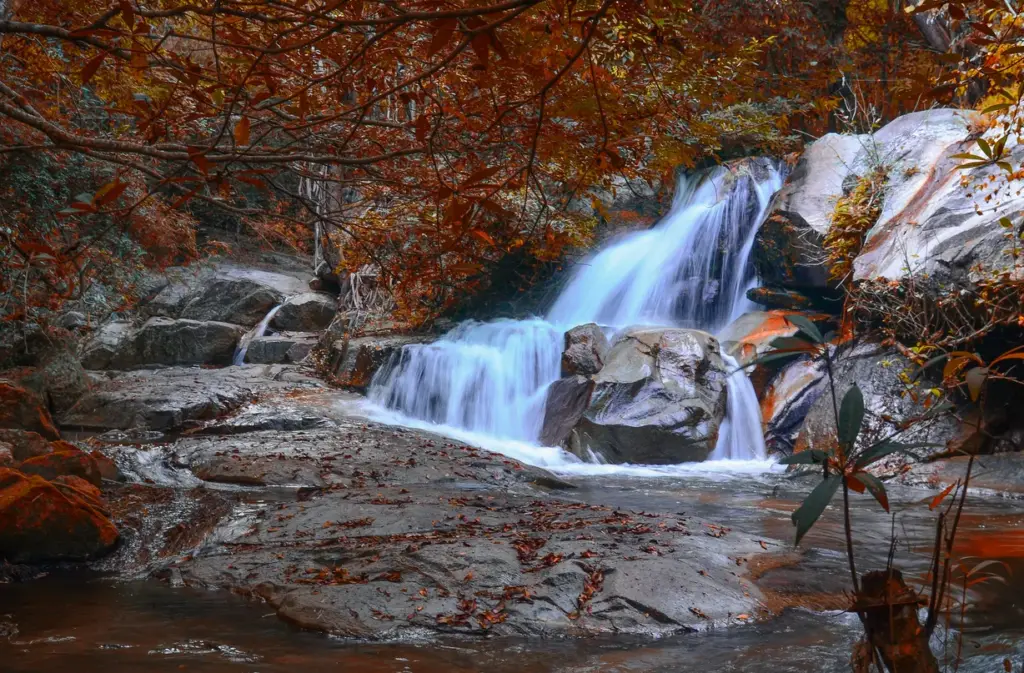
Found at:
<point>891,626</point>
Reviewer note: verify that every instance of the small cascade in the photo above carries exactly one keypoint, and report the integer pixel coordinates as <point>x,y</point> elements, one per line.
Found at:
<point>255,333</point>
<point>691,270</point>
<point>489,378</point>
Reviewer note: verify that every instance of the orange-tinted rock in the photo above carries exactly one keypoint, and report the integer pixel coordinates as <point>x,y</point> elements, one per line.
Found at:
<point>67,461</point>
<point>72,485</point>
<point>107,467</point>
<point>24,410</point>
<point>41,522</point>
<point>25,444</point>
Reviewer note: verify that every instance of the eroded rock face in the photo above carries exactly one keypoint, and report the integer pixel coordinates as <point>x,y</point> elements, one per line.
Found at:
<point>162,341</point>
<point>240,301</point>
<point>306,312</point>
<point>787,401</point>
<point>586,348</point>
<point>930,227</point>
<point>40,521</point>
<point>659,399</point>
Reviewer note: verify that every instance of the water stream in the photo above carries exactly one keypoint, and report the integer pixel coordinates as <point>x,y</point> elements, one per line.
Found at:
<point>255,333</point>
<point>486,382</point>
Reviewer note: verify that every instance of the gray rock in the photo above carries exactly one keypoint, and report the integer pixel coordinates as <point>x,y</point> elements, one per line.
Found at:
<point>306,312</point>
<point>415,533</point>
<point>104,345</point>
<point>787,250</point>
<point>659,399</point>
<point>234,300</point>
<point>284,348</point>
<point>166,399</point>
<point>566,401</point>
<point>888,405</point>
<point>354,362</point>
<point>586,348</point>
<point>73,320</point>
<point>930,226</point>
<point>787,401</point>
<point>163,341</point>
<point>59,378</point>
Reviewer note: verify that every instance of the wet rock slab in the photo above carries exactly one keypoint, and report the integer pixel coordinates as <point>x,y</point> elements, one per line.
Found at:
<point>403,533</point>
<point>166,399</point>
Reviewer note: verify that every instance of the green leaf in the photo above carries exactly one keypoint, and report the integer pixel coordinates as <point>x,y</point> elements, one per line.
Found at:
<point>875,486</point>
<point>806,326</point>
<point>1005,165</point>
<point>814,505</point>
<point>985,147</point>
<point>996,108</point>
<point>813,456</point>
<point>966,155</point>
<point>792,343</point>
<point>771,357</point>
<point>874,453</point>
<point>851,415</point>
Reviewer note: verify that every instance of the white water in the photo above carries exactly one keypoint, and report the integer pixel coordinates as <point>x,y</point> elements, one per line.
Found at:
<point>255,333</point>
<point>486,383</point>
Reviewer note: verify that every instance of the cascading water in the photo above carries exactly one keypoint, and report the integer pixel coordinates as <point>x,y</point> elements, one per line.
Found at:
<point>691,270</point>
<point>255,333</point>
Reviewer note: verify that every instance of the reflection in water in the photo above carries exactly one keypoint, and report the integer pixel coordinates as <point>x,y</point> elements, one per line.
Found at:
<point>99,626</point>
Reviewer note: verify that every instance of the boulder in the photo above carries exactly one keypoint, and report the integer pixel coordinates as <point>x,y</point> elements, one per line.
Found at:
<point>25,444</point>
<point>932,226</point>
<point>788,399</point>
<point>878,371</point>
<point>240,301</point>
<point>586,348</point>
<point>306,312</point>
<point>59,379</point>
<point>22,409</point>
<point>353,362</point>
<point>567,399</point>
<point>162,341</point>
<point>750,336</point>
<point>286,347</point>
<point>167,399</point>
<point>787,249</point>
<point>67,460</point>
<point>73,320</point>
<point>40,521</point>
<point>6,455</point>
<point>659,399</point>
<point>105,344</point>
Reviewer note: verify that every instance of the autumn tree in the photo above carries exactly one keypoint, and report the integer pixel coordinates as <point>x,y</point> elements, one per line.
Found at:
<point>429,140</point>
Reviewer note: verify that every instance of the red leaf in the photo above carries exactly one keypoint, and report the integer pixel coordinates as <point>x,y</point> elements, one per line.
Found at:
<point>199,160</point>
<point>937,500</point>
<point>482,235</point>
<point>443,32</point>
<point>481,45</point>
<point>92,66</point>
<point>241,132</point>
<point>480,175</point>
<point>109,192</point>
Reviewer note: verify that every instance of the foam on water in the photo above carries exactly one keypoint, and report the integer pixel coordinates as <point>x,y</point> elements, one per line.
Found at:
<point>486,383</point>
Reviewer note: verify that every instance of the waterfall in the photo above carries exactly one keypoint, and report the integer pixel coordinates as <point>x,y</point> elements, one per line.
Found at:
<point>691,270</point>
<point>255,333</point>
